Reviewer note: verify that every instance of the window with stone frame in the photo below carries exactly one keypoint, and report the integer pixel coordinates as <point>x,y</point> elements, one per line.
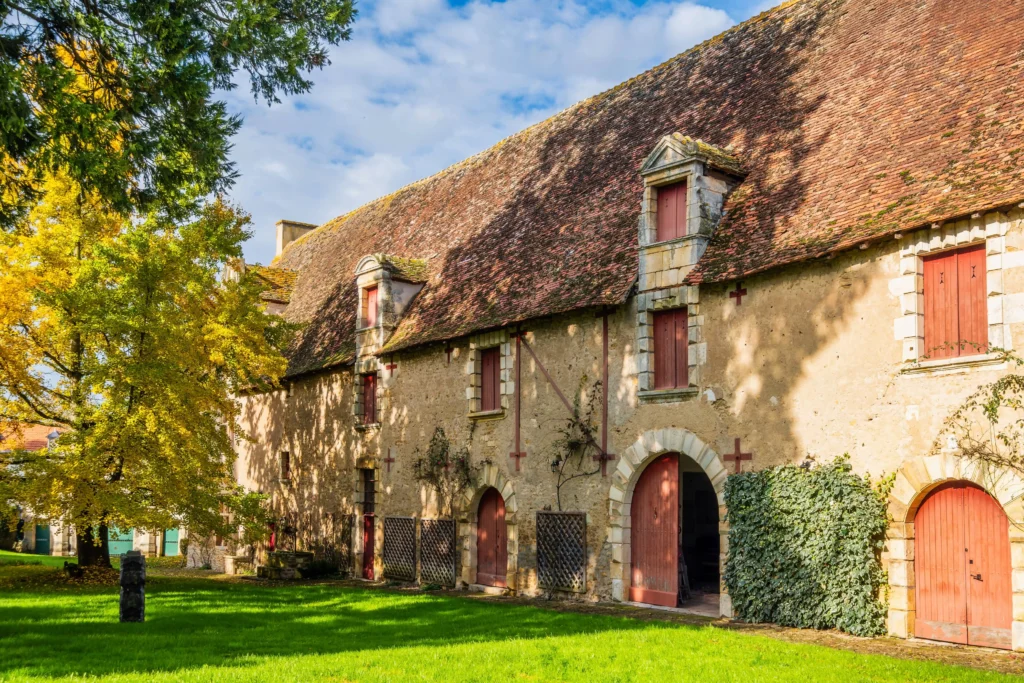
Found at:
<point>369,396</point>
<point>671,341</point>
<point>955,306</point>
<point>489,368</point>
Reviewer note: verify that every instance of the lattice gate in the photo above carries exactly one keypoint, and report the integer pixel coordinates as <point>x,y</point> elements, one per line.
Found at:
<point>437,551</point>
<point>562,551</point>
<point>400,548</point>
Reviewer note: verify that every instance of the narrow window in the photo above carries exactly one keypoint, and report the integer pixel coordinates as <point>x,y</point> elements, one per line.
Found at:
<point>369,399</point>
<point>370,311</point>
<point>369,492</point>
<point>671,338</point>
<point>490,379</point>
<point>671,211</point>
<point>286,465</point>
<point>955,306</point>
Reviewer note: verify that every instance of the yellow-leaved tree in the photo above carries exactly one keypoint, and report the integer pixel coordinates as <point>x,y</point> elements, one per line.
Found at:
<point>120,333</point>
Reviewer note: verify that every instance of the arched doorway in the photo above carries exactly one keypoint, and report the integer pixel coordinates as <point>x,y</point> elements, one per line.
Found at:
<point>962,571</point>
<point>491,540</point>
<point>675,535</point>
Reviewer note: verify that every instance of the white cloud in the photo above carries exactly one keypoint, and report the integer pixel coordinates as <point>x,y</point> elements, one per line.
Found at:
<point>422,85</point>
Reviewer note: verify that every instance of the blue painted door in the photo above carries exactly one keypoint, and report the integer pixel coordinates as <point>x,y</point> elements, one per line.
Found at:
<point>119,541</point>
<point>170,542</point>
<point>42,539</point>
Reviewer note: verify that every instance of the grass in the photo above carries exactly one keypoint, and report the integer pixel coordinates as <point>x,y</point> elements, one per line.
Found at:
<point>201,628</point>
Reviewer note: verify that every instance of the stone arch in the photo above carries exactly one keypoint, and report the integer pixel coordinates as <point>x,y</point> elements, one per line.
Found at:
<point>634,459</point>
<point>490,477</point>
<point>916,478</point>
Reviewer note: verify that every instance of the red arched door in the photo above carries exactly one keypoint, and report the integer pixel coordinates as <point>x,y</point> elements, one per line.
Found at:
<point>962,568</point>
<point>491,540</point>
<point>654,534</point>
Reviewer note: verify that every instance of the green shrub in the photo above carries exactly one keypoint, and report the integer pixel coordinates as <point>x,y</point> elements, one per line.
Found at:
<point>804,548</point>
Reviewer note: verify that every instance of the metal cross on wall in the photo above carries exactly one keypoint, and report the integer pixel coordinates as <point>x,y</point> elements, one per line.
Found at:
<point>448,351</point>
<point>603,458</point>
<point>740,292</point>
<point>390,367</point>
<point>737,456</point>
<point>388,460</point>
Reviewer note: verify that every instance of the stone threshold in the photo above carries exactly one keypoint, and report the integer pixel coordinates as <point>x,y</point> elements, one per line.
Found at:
<point>701,609</point>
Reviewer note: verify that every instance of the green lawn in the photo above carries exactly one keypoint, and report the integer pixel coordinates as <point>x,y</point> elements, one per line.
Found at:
<point>204,629</point>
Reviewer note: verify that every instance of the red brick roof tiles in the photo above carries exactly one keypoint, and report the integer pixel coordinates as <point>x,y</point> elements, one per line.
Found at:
<point>852,119</point>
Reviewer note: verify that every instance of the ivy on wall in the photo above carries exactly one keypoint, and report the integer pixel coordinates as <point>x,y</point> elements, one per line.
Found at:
<point>805,546</point>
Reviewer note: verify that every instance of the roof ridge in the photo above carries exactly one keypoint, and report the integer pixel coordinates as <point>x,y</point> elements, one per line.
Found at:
<point>338,220</point>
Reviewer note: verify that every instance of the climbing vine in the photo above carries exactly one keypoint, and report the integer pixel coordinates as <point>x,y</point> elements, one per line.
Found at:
<point>447,470</point>
<point>988,426</point>
<point>805,547</point>
<point>575,447</point>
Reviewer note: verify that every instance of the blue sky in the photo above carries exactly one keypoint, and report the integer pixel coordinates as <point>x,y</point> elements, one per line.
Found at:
<point>426,83</point>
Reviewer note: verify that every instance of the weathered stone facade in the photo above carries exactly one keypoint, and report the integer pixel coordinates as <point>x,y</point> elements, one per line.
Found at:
<point>807,226</point>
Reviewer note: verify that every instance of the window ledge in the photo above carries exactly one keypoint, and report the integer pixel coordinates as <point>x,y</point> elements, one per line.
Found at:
<point>487,414</point>
<point>668,395</point>
<point>958,364</point>
<point>692,237</point>
<point>367,427</point>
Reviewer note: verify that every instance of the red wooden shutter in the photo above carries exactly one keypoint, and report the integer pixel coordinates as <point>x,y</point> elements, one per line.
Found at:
<point>490,379</point>
<point>371,307</point>
<point>369,399</point>
<point>671,339</point>
<point>955,306</point>
<point>671,212</point>
<point>971,298</point>
<point>682,342</point>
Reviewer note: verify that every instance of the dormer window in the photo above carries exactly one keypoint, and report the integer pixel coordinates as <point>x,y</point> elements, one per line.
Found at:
<point>370,306</point>
<point>671,212</point>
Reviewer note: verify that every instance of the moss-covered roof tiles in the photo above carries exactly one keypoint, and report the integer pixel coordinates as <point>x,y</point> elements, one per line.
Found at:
<point>853,119</point>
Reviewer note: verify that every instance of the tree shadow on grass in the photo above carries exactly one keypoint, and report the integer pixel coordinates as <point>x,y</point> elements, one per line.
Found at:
<point>192,624</point>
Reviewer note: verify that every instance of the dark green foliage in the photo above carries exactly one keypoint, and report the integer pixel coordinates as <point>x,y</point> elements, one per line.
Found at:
<point>804,548</point>
<point>123,93</point>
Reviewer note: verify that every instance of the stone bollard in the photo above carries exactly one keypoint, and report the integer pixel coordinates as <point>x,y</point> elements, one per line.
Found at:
<point>133,586</point>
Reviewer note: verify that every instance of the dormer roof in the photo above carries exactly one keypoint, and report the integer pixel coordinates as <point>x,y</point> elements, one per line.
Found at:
<point>278,282</point>
<point>678,149</point>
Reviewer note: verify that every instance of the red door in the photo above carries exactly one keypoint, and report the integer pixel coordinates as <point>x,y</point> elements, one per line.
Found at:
<point>962,568</point>
<point>368,547</point>
<point>491,541</point>
<point>655,534</point>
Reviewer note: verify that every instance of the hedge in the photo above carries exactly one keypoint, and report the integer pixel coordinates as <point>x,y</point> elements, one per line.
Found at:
<point>805,546</point>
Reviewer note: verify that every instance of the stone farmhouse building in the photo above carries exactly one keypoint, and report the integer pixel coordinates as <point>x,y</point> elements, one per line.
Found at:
<point>799,239</point>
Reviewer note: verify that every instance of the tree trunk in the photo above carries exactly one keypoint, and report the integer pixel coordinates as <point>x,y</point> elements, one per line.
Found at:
<point>92,551</point>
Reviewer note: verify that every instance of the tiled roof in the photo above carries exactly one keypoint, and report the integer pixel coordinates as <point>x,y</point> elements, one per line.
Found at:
<point>278,281</point>
<point>852,119</point>
<point>29,437</point>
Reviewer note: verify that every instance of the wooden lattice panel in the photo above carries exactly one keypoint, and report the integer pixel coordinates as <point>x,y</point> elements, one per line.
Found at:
<point>437,552</point>
<point>562,551</point>
<point>400,548</point>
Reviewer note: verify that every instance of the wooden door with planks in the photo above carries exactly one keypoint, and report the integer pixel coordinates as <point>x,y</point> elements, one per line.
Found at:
<point>654,534</point>
<point>491,541</point>
<point>962,568</point>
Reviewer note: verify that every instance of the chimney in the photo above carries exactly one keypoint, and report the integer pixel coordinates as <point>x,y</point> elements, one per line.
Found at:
<point>289,231</point>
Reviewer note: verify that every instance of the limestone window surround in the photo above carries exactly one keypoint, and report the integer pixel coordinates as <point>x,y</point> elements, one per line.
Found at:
<point>1000,233</point>
<point>710,174</point>
<point>397,281</point>
<point>474,368</point>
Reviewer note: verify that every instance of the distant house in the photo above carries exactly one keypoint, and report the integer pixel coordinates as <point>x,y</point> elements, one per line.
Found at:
<point>51,537</point>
